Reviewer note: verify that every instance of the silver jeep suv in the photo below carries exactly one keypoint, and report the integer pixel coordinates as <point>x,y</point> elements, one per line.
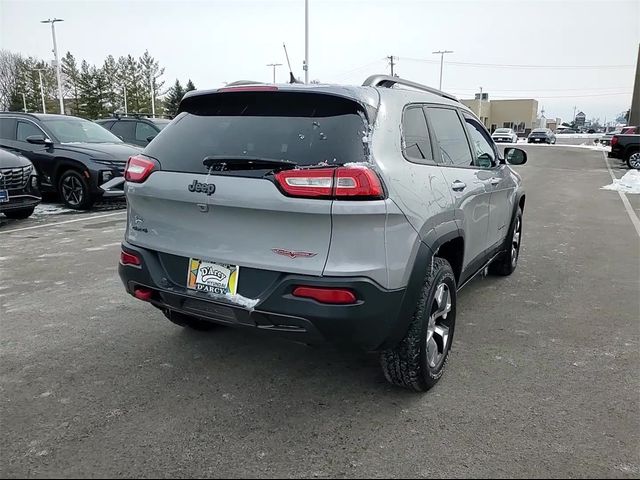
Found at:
<point>323,212</point>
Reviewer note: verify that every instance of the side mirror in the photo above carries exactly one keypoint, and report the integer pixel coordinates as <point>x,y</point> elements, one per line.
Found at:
<point>151,137</point>
<point>515,156</point>
<point>39,140</point>
<point>485,161</point>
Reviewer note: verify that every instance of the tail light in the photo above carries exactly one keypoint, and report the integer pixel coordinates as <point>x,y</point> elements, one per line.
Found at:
<point>356,182</point>
<point>127,258</point>
<point>614,140</point>
<point>336,296</point>
<point>139,168</point>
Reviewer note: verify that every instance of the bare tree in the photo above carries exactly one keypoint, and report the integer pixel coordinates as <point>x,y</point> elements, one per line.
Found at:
<point>10,73</point>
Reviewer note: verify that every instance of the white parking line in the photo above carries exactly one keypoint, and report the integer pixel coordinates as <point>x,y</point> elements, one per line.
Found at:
<point>65,222</point>
<point>625,201</point>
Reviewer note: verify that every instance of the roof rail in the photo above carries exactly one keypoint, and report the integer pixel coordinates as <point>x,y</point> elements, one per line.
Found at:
<point>387,81</point>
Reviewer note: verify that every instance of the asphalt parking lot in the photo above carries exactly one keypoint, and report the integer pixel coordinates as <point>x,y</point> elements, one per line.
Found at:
<point>543,379</point>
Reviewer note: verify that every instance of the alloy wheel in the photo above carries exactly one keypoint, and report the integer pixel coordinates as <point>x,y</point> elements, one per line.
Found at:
<point>634,160</point>
<point>515,242</point>
<point>72,190</point>
<point>439,327</point>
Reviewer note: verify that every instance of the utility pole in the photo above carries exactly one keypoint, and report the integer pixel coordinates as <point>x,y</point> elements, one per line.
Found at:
<point>574,114</point>
<point>306,41</point>
<point>124,89</point>
<point>391,63</point>
<point>480,107</point>
<point>442,54</point>
<point>274,65</point>
<point>153,94</point>
<point>24,102</point>
<point>44,107</point>
<point>52,21</point>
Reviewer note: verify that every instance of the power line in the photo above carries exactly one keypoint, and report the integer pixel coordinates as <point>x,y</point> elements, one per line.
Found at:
<point>570,96</point>
<point>507,65</point>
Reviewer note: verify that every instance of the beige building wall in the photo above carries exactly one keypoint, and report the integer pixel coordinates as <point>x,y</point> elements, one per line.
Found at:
<point>499,112</point>
<point>482,109</point>
<point>516,111</point>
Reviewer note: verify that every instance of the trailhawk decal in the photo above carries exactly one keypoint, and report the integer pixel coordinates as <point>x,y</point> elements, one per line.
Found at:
<point>291,254</point>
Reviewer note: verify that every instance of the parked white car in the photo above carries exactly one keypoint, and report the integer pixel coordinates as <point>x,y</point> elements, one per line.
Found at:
<point>505,135</point>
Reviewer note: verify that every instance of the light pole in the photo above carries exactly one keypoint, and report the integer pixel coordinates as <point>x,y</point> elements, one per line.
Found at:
<point>124,89</point>
<point>53,21</point>
<point>442,54</point>
<point>24,102</point>
<point>153,100</point>
<point>44,106</point>
<point>274,65</point>
<point>306,41</point>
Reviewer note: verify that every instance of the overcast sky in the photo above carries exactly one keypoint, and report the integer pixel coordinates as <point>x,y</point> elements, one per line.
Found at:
<point>213,42</point>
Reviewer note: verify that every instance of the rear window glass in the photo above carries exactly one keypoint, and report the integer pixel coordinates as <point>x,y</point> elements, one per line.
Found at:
<point>502,130</point>
<point>306,128</point>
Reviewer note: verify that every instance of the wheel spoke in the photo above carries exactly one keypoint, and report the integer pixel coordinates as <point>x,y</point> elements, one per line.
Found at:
<point>442,332</point>
<point>432,352</point>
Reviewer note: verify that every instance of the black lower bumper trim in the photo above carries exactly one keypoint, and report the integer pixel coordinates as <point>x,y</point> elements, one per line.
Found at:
<point>368,324</point>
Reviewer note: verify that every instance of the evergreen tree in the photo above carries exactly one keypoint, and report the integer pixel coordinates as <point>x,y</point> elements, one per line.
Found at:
<point>190,86</point>
<point>71,76</point>
<point>172,101</point>
<point>151,73</point>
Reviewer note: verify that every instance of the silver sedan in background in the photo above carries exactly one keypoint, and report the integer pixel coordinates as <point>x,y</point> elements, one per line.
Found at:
<point>505,135</point>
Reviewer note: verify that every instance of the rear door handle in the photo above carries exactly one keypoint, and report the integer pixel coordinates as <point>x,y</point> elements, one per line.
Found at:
<point>495,181</point>
<point>458,186</point>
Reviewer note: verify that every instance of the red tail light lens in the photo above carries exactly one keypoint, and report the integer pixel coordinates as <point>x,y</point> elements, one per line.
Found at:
<point>614,140</point>
<point>312,183</point>
<point>139,168</point>
<point>358,182</point>
<point>336,296</point>
<point>127,258</point>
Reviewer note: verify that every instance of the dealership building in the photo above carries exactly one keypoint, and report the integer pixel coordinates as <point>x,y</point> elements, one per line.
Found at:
<point>519,114</point>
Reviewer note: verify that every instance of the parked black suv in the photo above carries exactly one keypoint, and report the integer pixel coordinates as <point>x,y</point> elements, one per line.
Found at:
<point>19,192</point>
<point>74,157</point>
<point>134,129</point>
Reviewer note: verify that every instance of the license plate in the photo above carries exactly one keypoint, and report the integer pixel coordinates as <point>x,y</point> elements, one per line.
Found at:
<point>4,196</point>
<point>209,277</point>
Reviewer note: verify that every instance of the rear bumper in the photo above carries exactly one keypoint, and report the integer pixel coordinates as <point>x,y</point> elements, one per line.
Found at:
<point>370,324</point>
<point>616,152</point>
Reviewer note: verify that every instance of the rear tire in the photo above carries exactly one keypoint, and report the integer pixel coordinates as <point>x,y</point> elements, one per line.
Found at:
<point>506,263</point>
<point>633,160</point>
<point>74,190</point>
<point>419,360</point>
<point>187,321</point>
<point>20,214</point>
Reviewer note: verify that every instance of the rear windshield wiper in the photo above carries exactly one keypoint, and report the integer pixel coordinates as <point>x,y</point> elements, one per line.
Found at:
<point>222,163</point>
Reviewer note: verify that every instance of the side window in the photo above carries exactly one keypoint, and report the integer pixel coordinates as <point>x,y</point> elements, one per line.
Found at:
<point>7,128</point>
<point>26,129</point>
<point>417,145</point>
<point>482,145</point>
<point>123,129</point>
<point>106,125</point>
<point>143,131</point>
<point>449,132</point>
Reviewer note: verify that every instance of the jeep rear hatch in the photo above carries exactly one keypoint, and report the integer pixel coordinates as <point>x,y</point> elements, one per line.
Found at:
<point>221,189</point>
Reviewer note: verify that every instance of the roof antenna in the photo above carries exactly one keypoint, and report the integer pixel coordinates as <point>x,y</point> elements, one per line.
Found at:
<point>292,78</point>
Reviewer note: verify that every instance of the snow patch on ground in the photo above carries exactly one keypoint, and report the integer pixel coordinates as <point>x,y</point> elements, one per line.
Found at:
<point>51,210</point>
<point>629,183</point>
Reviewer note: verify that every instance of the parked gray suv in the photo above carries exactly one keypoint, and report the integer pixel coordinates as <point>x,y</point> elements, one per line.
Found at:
<point>323,212</point>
